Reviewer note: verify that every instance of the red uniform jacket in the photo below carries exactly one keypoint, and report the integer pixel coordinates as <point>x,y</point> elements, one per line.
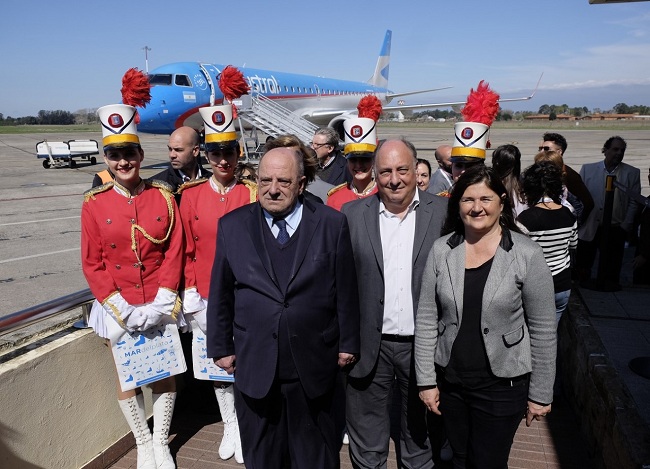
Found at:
<point>107,258</point>
<point>201,209</point>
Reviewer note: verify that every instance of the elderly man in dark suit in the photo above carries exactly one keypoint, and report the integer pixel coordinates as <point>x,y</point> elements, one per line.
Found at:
<point>392,234</point>
<point>283,316</point>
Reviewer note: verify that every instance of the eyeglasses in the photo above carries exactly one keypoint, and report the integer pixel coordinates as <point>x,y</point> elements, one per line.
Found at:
<point>545,148</point>
<point>317,145</point>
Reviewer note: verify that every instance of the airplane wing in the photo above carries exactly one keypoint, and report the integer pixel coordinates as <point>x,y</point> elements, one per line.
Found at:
<point>390,96</point>
<point>411,107</point>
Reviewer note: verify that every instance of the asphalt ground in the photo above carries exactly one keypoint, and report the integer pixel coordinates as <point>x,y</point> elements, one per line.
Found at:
<point>40,208</point>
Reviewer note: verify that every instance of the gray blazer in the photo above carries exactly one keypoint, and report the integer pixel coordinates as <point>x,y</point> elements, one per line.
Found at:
<point>517,319</point>
<point>363,218</point>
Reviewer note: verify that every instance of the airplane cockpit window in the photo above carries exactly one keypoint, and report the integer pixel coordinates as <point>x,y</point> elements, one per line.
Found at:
<point>182,80</point>
<point>160,79</point>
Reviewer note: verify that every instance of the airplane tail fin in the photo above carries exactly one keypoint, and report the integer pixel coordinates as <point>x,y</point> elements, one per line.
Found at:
<point>380,77</point>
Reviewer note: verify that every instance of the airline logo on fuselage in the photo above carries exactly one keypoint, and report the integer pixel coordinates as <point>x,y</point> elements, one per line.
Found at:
<point>262,84</point>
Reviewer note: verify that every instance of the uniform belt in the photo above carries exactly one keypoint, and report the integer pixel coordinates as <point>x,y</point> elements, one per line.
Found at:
<point>397,338</point>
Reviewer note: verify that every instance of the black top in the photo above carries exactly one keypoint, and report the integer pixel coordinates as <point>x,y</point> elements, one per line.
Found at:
<point>468,364</point>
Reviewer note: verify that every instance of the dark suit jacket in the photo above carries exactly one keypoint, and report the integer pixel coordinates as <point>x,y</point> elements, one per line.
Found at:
<point>171,176</point>
<point>363,217</point>
<point>339,173</point>
<point>321,303</point>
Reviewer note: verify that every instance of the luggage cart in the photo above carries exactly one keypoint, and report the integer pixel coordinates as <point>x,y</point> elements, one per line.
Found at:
<point>57,154</point>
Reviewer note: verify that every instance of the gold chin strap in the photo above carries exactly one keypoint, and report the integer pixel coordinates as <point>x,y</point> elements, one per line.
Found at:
<point>170,208</point>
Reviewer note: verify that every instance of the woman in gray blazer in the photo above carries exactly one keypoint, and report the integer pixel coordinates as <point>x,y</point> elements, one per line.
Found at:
<point>485,354</point>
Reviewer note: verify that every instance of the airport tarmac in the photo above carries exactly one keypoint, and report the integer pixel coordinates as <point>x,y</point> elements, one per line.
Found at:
<point>40,208</point>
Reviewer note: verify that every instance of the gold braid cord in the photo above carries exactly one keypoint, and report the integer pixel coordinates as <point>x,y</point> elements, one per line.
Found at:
<point>91,193</point>
<point>170,208</point>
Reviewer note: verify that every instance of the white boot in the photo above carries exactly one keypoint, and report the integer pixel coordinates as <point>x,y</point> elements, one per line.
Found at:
<point>163,408</point>
<point>133,410</point>
<point>231,442</point>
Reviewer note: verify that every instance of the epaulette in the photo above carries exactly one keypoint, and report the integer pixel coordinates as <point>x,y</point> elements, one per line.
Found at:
<point>336,188</point>
<point>91,193</point>
<point>446,194</point>
<point>157,183</point>
<point>188,184</point>
<point>252,188</point>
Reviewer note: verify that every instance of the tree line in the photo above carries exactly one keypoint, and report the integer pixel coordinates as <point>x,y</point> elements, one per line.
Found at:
<point>89,116</point>
<point>57,117</point>
<point>552,110</point>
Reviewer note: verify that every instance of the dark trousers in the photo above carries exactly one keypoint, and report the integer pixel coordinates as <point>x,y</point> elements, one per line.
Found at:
<point>614,252</point>
<point>287,429</point>
<point>482,423</point>
<point>368,403</point>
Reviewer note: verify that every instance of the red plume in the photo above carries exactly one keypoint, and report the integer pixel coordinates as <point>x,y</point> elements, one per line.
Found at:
<point>370,106</point>
<point>232,83</point>
<point>136,89</point>
<point>482,105</point>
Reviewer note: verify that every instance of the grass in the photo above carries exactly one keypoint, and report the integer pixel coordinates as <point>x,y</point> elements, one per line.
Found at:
<point>44,129</point>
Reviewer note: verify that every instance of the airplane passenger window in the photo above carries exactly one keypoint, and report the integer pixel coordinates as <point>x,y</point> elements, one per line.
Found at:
<point>182,80</point>
<point>286,89</point>
<point>293,89</point>
<point>160,79</point>
<point>310,90</point>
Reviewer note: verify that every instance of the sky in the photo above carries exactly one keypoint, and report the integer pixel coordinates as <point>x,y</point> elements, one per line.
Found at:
<point>69,55</point>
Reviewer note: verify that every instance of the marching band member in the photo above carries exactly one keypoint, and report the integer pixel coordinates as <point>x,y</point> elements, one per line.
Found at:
<point>203,203</point>
<point>132,248</point>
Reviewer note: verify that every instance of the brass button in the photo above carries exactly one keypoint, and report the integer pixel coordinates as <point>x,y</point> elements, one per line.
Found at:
<point>194,259</point>
<point>113,245</point>
<point>108,221</point>
<point>223,199</point>
<point>137,285</point>
<point>196,217</point>
<point>158,218</point>
<point>132,221</point>
<point>136,265</point>
<point>196,238</point>
<point>130,201</point>
<point>118,266</point>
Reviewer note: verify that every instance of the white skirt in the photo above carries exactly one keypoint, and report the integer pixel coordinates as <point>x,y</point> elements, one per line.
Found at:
<point>98,320</point>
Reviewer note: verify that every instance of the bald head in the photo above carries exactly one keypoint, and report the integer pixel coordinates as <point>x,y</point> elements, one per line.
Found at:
<point>443,157</point>
<point>184,150</point>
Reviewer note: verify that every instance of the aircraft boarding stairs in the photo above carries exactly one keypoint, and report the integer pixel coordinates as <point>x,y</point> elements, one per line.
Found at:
<point>272,118</point>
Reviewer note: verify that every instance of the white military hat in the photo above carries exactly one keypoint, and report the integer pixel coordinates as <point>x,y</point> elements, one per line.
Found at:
<point>118,125</point>
<point>470,140</point>
<point>360,136</point>
<point>471,137</point>
<point>219,127</point>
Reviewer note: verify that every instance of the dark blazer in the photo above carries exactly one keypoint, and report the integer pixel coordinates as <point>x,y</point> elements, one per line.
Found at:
<point>320,303</point>
<point>363,217</point>
<point>173,178</point>
<point>339,173</point>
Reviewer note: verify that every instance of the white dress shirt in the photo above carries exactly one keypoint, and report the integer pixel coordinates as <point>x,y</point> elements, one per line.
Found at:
<point>397,236</point>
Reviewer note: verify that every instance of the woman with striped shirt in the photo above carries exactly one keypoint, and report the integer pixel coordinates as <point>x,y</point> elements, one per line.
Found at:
<point>552,225</point>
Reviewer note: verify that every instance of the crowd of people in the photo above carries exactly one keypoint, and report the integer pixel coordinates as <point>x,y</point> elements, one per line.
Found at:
<point>325,283</point>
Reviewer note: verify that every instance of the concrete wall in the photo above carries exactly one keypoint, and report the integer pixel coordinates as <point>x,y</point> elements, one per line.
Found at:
<point>616,434</point>
<point>58,404</point>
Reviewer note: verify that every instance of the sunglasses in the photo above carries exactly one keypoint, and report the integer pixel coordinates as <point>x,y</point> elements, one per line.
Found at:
<point>546,148</point>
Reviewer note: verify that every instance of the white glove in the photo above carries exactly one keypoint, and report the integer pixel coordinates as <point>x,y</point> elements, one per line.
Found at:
<point>162,306</point>
<point>202,320</point>
<point>151,317</point>
<point>192,301</point>
<point>120,310</point>
<point>136,319</point>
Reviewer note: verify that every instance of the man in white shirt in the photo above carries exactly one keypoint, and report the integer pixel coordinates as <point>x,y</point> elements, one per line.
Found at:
<point>392,233</point>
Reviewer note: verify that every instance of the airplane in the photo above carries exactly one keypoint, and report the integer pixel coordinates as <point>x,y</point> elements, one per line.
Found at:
<point>180,89</point>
